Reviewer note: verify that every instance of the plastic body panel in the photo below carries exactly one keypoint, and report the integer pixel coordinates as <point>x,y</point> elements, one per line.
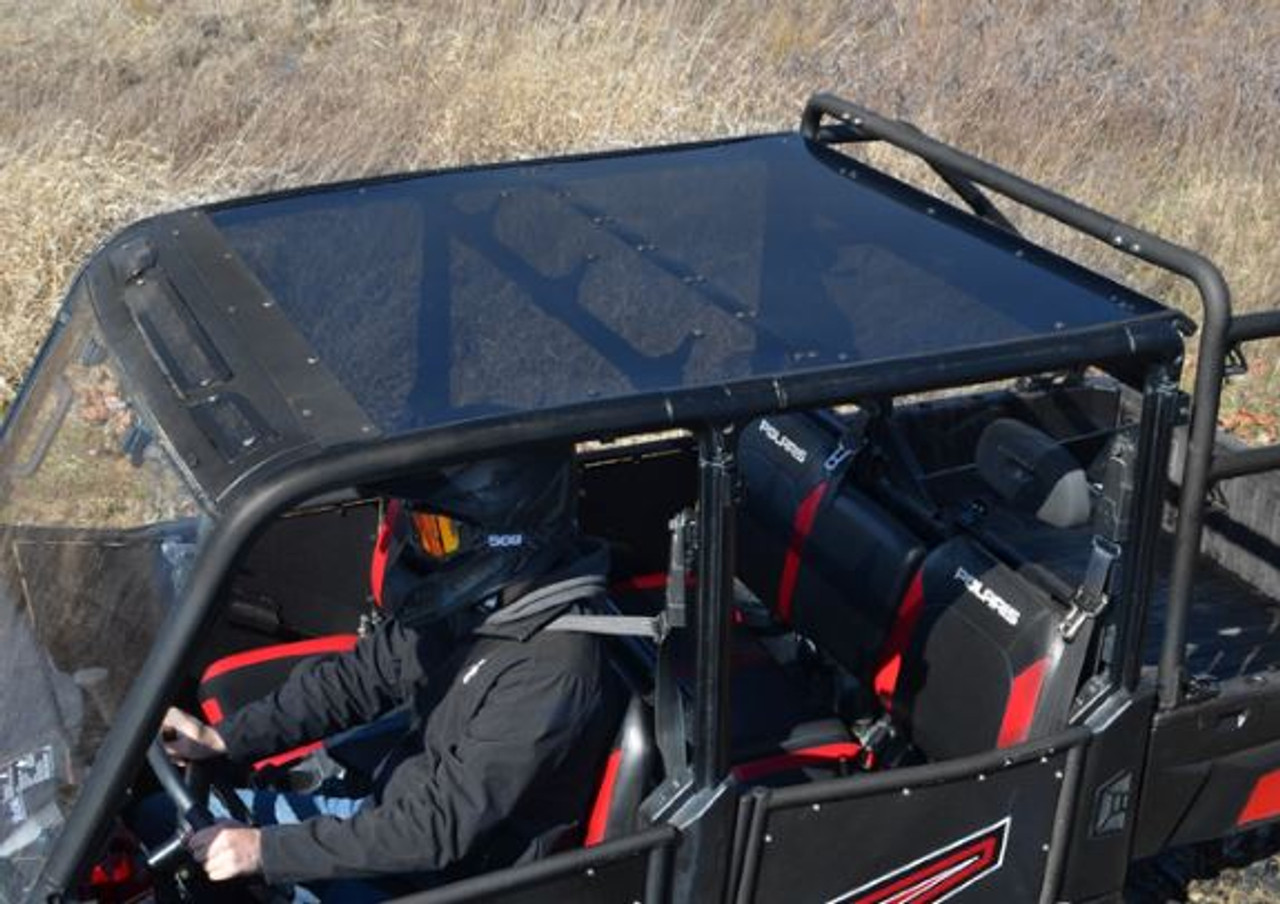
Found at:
<point>843,840</point>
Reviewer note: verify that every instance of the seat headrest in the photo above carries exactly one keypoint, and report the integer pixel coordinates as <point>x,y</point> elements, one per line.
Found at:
<point>1033,472</point>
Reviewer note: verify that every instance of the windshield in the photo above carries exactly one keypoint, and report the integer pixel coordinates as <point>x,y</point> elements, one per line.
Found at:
<point>96,528</point>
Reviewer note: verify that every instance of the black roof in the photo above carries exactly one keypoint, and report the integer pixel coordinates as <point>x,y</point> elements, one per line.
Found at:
<point>669,273</point>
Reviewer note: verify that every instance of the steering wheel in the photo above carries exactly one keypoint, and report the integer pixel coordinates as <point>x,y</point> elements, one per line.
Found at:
<point>190,795</point>
<point>193,808</point>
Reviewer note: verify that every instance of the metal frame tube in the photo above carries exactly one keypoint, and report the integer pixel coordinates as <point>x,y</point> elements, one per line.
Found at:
<point>1248,461</point>
<point>716,466</point>
<point>1159,411</point>
<point>1215,299</point>
<point>1257,325</point>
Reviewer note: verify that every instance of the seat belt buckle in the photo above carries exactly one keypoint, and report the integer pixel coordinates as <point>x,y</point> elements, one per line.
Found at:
<point>1092,596</point>
<point>845,449</point>
<point>873,740</point>
<point>683,527</point>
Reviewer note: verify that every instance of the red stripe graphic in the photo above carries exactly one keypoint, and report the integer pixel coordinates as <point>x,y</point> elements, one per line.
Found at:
<point>599,820</point>
<point>1264,799</point>
<point>821,755</point>
<point>338,643</point>
<point>281,759</point>
<point>656,580</point>
<point>382,549</point>
<point>800,528</point>
<point>1020,710</point>
<point>212,710</point>
<point>939,875</point>
<point>904,625</point>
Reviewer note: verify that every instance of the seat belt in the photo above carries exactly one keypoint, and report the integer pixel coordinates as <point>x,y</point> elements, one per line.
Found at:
<point>1093,594</point>
<point>668,708</point>
<point>1076,632</point>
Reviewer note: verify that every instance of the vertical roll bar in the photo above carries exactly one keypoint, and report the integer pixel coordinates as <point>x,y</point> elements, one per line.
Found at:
<point>717,446</point>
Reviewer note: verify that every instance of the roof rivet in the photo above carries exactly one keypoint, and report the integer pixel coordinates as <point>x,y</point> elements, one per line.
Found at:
<point>226,255</point>
<point>1059,325</point>
<point>1135,247</point>
<point>366,429</point>
<point>1044,848</point>
<point>306,412</point>
<point>906,792</point>
<point>982,776</point>
<point>1057,775</point>
<point>175,232</point>
<point>591,871</point>
<point>768,839</point>
<point>931,211</point>
<point>817,807</point>
<point>1118,240</point>
<point>1019,253</point>
<point>266,304</point>
<point>697,333</point>
<point>248,441</point>
<point>312,359</point>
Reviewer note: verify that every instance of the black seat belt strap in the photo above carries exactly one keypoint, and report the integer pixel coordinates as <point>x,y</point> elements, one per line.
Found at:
<point>1093,594</point>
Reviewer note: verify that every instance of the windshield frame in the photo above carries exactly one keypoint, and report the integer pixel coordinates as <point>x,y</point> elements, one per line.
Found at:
<point>95,503</point>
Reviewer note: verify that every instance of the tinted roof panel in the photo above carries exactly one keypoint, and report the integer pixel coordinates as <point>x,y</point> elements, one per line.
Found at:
<point>439,296</point>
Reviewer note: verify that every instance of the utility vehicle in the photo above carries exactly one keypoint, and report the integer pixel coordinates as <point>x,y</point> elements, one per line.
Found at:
<point>934,584</point>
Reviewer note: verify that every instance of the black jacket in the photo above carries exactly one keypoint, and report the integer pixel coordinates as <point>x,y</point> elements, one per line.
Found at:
<point>511,727</point>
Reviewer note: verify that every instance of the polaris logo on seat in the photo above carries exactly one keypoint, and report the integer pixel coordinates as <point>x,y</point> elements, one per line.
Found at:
<point>505,541</point>
<point>994,601</point>
<point>784,442</point>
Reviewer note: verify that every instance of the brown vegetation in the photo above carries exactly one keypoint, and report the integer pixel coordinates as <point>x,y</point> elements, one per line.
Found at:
<point>1166,114</point>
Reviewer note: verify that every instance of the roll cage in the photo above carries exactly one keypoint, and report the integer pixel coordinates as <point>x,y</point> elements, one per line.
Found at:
<point>1143,351</point>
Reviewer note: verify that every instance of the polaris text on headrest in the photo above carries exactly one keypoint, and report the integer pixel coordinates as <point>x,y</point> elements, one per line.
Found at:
<point>784,442</point>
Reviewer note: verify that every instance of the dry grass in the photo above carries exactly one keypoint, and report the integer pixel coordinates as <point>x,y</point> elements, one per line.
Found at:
<point>1166,114</point>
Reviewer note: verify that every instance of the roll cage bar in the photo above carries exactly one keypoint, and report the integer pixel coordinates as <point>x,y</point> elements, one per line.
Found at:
<point>713,415</point>
<point>1221,330</point>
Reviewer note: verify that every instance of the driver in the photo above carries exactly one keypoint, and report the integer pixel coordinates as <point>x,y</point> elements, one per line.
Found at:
<point>506,718</point>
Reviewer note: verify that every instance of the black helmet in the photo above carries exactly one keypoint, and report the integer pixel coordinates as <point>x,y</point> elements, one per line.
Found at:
<point>468,531</point>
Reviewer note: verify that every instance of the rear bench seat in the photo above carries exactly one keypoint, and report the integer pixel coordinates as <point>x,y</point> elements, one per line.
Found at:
<point>963,654</point>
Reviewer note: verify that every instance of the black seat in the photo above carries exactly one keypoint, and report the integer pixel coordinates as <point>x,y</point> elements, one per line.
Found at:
<point>983,665</point>
<point>833,563</point>
<point>629,774</point>
<point>964,654</point>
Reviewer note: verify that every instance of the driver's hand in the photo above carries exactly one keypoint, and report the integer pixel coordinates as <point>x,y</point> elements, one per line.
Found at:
<point>227,850</point>
<point>186,738</point>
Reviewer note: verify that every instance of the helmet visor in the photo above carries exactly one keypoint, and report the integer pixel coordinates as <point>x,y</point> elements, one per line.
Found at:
<point>437,537</point>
